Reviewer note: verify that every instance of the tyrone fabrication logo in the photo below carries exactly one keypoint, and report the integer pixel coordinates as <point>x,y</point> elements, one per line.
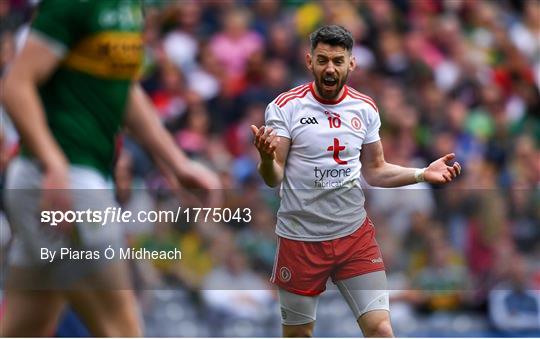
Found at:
<point>333,177</point>
<point>336,148</point>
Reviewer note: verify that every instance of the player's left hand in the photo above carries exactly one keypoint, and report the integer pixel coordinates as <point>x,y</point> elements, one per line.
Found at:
<point>439,172</point>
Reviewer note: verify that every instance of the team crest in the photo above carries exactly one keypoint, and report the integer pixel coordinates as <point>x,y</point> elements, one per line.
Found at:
<point>356,123</point>
<point>285,274</point>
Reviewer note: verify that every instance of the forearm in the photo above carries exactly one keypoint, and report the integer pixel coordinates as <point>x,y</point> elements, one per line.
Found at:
<point>271,172</point>
<point>145,126</point>
<point>22,102</point>
<point>390,175</point>
<point>167,155</point>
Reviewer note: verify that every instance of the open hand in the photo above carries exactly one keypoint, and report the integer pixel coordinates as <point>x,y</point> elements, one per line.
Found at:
<point>439,172</point>
<point>266,142</point>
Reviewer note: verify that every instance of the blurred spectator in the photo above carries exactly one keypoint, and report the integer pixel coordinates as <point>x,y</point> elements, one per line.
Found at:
<point>514,308</point>
<point>169,97</point>
<point>443,283</point>
<point>487,241</point>
<point>258,240</point>
<point>236,43</point>
<point>7,50</point>
<point>10,16</point>
<point>180,44</point>
<point>207,76</point>
<point>231,289</point>
<point>193,138</point>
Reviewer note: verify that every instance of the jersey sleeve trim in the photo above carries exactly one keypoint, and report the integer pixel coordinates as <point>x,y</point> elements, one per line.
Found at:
<point>282,95</point>
<point>372,140</point>
<point>359,96</point>
<point>281,133</point>
<point>57,47</point>
<point>298,92</point>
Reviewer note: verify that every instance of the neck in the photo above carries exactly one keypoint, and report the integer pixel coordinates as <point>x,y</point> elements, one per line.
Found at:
<point>334,98</point>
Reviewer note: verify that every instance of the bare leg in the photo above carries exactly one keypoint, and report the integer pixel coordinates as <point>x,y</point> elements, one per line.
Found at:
<point>296,331</point>
<point>376,324</point>
<point>107,313</point>
<point>109,309</point>
<point>31,313</point>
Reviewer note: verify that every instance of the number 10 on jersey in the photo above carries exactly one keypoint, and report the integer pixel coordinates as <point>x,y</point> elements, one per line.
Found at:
<point>333,119</point>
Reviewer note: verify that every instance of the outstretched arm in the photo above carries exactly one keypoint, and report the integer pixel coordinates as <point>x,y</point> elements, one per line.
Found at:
<point>379,173</point>
<point>273,151</point>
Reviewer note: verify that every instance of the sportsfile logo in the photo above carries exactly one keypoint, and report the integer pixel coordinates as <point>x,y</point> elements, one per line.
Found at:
<point>309,121</point>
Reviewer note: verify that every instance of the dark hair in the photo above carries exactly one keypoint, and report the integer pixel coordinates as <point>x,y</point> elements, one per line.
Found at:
<point>332,35</point>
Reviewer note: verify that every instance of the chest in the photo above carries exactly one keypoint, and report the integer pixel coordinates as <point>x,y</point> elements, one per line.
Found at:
<point>115,15</point>
<point>318,131</point>
<point>112,44</point>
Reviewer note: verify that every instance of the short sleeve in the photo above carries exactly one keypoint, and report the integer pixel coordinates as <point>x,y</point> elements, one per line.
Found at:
<point>274,117</point>
<point>373,127</point>
<point>59,23</point>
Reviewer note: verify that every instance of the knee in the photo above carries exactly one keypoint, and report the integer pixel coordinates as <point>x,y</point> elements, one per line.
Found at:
<point>381,329</point>
<point>298,331</point>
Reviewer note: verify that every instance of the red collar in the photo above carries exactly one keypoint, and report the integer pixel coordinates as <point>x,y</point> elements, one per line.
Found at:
<point>325,101</point>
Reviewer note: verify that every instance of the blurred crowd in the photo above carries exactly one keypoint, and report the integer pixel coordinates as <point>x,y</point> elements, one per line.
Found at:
<point>457,76</point>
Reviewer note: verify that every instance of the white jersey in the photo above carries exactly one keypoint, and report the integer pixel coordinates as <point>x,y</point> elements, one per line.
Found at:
<point>321,197</point>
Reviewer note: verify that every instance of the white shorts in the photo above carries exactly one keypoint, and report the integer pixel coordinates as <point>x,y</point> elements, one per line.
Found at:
<point>88,189</point>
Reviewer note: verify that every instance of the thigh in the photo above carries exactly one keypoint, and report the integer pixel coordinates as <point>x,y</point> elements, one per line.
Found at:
<point>368,299</point>
<point>297,309</point>
<point>111,311</point>
<point>358,253</point>
<point>298,313</point>
<point>30,313</point>
<point>302,267</point>
<point>365,293</point>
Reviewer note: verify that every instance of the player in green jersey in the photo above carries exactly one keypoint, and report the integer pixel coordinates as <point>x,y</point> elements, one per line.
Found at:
<point>69,92</point>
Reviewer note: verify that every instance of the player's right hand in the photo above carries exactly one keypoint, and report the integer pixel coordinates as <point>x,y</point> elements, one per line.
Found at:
<point>266,142</point>
<point>56,194</point>
<point>196,175</point>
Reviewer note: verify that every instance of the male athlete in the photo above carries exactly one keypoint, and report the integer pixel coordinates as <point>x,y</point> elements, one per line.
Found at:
<point>317,138</point>
<point>69,92</point>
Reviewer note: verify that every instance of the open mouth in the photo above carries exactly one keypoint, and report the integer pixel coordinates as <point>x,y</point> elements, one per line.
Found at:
<point>329,81</point>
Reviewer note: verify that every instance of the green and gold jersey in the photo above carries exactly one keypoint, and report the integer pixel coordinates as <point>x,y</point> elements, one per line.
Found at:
<point>85,99</point>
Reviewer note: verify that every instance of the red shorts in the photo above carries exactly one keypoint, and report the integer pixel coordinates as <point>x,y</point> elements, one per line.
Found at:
<point>303,267</point>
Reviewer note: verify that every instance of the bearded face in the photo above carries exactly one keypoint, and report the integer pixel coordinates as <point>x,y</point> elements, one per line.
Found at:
<point>330,66</point>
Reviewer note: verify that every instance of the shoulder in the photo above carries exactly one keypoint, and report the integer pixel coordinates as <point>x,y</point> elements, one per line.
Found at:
<point>58,22</point>
<point>362,98</point>
<point>297,92</point>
